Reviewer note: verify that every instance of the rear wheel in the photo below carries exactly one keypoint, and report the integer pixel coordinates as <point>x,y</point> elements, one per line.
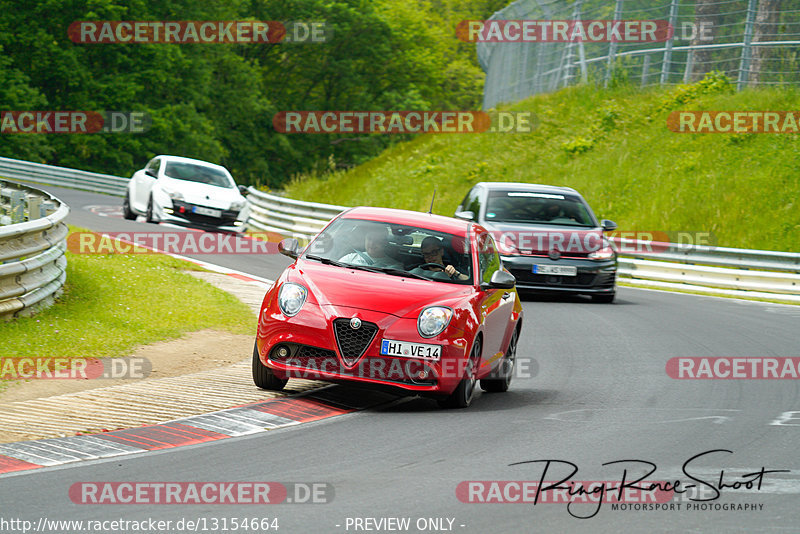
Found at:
<point>463,394</point>
<point>263,377</point>
<point>506,369</point>
<point>605,298</point>
<point>126,208</point>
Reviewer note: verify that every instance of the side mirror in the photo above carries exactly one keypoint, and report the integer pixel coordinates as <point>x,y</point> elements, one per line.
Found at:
<point>502,280</point>
<point>151,173</point>
<point>289,247</point>
<point>466,215</point>
<point>243,189</point>
<point>608,226</point>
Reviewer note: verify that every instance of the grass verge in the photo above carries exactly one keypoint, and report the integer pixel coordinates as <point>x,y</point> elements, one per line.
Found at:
<point>612,145</point>
<point>115,302</point>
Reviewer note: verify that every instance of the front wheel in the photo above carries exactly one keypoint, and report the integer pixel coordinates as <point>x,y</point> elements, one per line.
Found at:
<point>505,371</point>
<point>126,208</point>
<point>463,394</point>
<point>263,377</point>
<point>149,216</point>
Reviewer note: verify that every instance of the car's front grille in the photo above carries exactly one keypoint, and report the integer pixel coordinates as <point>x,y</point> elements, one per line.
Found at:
<point>226,217</point>
<point>524,276</point>
<point>308,357</point>
<point>353,342</point>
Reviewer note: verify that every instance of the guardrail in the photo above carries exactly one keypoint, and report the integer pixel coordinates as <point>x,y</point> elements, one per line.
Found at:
<point>32,244</point>
<point>732,271</point>
<point>298,219</point>
<point>756,273</point>
<point>26,171</point>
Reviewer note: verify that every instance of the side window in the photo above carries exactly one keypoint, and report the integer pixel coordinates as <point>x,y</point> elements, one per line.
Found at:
<point>488,258</point>
<point>472,202</point>
<point>154,165</point>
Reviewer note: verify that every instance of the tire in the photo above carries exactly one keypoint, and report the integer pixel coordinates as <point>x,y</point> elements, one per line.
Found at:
<point>506,370</point>
<point>263,377</point>
<point>126,208</point>
<point>605,298</point>
<point>462,396</point>
<point>149,216</point>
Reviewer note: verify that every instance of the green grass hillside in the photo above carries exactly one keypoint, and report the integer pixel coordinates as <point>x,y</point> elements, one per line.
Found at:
<point>614,147</point>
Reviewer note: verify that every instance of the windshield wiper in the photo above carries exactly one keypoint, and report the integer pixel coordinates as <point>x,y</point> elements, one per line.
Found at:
<point>398,272</point>
<point>327,261</point>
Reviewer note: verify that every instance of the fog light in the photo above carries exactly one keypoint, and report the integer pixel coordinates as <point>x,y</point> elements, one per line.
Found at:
<point>423,375</point>
<point>283,352</point>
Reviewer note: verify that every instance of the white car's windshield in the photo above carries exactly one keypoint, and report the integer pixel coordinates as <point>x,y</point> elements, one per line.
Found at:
<point>198,173</point>
<point>394,249</point>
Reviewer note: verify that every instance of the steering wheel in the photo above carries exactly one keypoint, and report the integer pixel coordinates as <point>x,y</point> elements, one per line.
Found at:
<point>442,267</point>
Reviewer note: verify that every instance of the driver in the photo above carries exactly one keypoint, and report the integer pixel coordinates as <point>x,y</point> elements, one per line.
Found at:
<point>376,243</point>
<point>433,252</point>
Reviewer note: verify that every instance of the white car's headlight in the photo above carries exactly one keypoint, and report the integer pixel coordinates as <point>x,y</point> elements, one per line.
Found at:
<point>174,195</point>
<point>291,298</point>
<point>433,320</point>
<point>238,205</point>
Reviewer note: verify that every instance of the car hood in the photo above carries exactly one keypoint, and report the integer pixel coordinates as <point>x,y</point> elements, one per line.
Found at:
<point>352,288</point>
<point>512,238</point>
<point>203,194</point>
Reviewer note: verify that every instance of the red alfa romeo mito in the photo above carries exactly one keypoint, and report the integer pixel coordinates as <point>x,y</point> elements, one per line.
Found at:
<point>385,297</point>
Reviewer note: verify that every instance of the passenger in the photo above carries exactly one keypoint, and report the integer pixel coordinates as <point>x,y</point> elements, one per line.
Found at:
<point>376,244</point>
<point>433,252</point>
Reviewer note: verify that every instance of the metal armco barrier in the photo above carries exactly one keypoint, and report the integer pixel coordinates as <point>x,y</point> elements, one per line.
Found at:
<point>727,270</point>
<point>32,262</point>
<point>26,171</point>
<point>755,273</point>
<point>298,219</point>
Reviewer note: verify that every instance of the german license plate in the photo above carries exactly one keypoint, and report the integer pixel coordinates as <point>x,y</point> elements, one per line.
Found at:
<point>390,347</point>
<point>200,210</point>
<point>561,270</point>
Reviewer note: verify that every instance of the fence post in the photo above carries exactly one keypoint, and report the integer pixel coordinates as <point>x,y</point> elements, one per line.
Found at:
<point>744,64</point>
<point>689,63</point>
<point>17,207</point>
<point>645,69</point>
<point>612,47</point>
<point>34,207</point>
<point>673,19</point>
<point>576,17</point>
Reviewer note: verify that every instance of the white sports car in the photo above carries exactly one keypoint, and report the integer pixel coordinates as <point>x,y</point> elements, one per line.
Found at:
<point>186,191</point>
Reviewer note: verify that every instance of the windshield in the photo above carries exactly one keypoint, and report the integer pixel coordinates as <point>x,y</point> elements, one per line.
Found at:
<point>530,207</point>
<point>394,249</point>
<point>198,173</point>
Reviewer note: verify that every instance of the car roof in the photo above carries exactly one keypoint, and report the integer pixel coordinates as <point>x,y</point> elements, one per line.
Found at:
<point>438,223</point>
<point>182,159</point>
<point>520,186</point>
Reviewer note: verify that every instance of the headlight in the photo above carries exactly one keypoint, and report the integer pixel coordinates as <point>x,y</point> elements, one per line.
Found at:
<point>433,320</point>
<point>238,205</point>
<point>291,298</point>
<point>605,253</point>
<point>174,195</point>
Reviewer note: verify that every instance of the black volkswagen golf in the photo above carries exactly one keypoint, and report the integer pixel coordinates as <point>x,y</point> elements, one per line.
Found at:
<point>547,236</point>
